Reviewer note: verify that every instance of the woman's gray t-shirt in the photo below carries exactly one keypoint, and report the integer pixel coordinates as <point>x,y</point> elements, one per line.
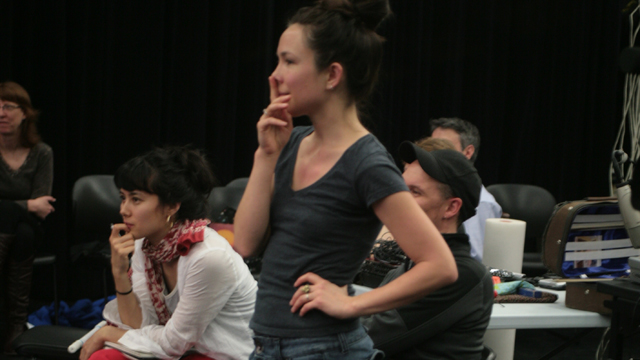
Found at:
<point>327,228</point>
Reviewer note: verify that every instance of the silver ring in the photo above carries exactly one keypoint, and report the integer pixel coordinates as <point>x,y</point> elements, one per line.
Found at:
<point>264,111</point>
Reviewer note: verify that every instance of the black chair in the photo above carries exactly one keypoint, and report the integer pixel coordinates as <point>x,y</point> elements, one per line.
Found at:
<point>47,259</point>
<point>227,198</point>
<point>239,182</point>
<point>223,197</point>
<point>96,205</point>
<point>534,205</point>
<point>48,342</point>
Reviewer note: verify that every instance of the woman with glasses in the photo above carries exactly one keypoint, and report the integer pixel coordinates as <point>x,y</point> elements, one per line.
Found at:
<point>317,194</point>
<point>184,289</point>
<point>26,177</point>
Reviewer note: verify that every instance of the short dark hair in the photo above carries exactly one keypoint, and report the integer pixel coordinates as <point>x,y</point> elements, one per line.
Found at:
<point>469,134</point>
<point>448,167</point>
<point>12,91</point>
<point>432,144</point>
<point>176,174</point>
<point>343,31</point>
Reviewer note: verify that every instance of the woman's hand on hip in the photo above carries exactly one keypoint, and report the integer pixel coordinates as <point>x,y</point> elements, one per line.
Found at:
<point>314,292</point>
<point>275,124</point>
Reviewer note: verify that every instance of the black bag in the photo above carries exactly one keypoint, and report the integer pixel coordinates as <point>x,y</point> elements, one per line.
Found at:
<point>385,256</point>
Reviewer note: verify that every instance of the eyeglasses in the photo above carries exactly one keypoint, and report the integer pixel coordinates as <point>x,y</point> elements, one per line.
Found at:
<point>8,107</point>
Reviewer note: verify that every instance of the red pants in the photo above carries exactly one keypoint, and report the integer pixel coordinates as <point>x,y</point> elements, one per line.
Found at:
<point>113,354</point>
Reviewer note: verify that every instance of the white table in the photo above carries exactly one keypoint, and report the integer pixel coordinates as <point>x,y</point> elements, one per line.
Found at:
<point>537,316</point>
<point>544,316</point>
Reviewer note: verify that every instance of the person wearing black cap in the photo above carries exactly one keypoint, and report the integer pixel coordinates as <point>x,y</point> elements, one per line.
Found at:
<point>449,323</point>
<point>465,138</point>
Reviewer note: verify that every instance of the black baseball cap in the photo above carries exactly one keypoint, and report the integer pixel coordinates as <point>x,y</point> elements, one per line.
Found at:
<point>449,167</point>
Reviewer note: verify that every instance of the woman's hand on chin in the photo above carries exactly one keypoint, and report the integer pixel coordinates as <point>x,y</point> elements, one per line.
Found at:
<point>121,247</point>
<point>275,124</point>
<point>314,292</point>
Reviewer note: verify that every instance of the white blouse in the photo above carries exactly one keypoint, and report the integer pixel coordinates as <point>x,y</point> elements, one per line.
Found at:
<point>211,305</point>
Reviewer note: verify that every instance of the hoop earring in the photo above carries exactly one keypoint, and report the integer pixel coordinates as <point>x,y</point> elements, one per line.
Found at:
<point>170,222</point>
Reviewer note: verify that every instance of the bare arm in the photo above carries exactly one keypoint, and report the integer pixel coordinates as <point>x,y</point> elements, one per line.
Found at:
<point>419,239</point>
<point>252,218</point>
<point>121,246</point>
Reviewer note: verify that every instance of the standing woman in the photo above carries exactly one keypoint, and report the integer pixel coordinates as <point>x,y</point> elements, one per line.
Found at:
<point>26,177</point>
<point>185,287</point>
<point>316,195</point>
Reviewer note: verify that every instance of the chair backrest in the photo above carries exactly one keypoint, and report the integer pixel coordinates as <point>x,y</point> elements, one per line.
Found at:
<point>96,205</point>
<point>239,182</point>
<point>529,203</point>
<point>223,197</point>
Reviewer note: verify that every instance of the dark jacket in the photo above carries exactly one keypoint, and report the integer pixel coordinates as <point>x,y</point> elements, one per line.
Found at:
<point>447,324</point>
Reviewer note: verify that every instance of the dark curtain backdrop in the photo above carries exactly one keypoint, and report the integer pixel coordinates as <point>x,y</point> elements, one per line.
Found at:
<point>113,78</point>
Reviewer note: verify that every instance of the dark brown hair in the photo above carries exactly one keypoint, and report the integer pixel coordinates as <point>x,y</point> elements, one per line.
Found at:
<point>11,91</point>
<point>343,31</point>
<point>468,133</point>
<point>176,174</point>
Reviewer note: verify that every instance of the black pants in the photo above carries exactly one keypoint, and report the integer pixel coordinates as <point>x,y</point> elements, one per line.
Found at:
<point>15,220</point>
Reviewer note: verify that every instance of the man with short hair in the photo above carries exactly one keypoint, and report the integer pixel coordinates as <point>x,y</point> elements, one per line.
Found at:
<point>449,323</point>
<point>466,139</point>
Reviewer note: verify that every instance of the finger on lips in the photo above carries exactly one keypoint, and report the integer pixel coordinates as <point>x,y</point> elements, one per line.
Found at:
<point>277,106</point>
<point>273,88</point>
<point>274,108</point>
<point>116,228</point>
<point>275,122</point>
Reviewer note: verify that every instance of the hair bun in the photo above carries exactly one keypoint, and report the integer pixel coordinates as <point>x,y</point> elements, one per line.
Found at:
<point>193,165</point>
<point>198,171</point>
<point>370,12</point>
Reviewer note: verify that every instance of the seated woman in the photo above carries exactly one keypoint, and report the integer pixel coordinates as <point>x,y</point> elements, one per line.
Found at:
<point>185,288</point>
<point>26,177</point>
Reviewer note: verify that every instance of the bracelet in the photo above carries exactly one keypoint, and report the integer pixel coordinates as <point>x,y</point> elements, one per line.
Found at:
<point>124,293</point>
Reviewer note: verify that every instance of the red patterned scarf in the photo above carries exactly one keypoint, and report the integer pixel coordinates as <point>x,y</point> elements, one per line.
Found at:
<point>176,243</point>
